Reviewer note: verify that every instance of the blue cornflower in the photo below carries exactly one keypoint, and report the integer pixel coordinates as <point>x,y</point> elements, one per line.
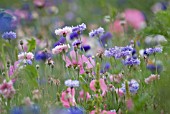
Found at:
<point>106,67</point>
<point>119,52</point>
<point>9,35</point>
<point>76,43</point>
<point>6,22</point>
<point>62,40</point>
<point>85,48</point>
<point>131,61</point>
<point>79,28</point>
<point>41,55</point>
<point>133,87</point>
<point>105,37</point>
<point>17,110</point>
<point>75,110</point>
<point>150,51</point>
<point>72,83</point>
<point>74,35</point>
<point>97,32</point>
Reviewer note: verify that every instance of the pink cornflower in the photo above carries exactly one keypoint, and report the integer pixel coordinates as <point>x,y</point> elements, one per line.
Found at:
<point>7,89</point>
<point>25,55</point>
<point>151,78</point>
<point>63,32</point>
<point>67,97</point>
<point>77,60</point>
<point>60,48</point>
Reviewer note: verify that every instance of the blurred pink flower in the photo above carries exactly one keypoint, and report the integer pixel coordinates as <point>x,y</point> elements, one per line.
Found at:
<point>129,104</point>
<point>103,86</point>
<point>67,97</point>
<point>116,27</point>
<point>83,95</point>
<point>39,3</point>
<point>60,48</point>
<point>13,68</point>
<point>78,61</point>
<point>135,18</point>
<point>103,112</point>
<point>7,89</point>
<point>119,92</point>
<point>151,78</point>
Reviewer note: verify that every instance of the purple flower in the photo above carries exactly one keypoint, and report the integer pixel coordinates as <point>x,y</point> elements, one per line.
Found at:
<point>150,51</point>
<point>62,40</point>
<point>85,47</point>
<point>131,61</point>
<point>105,37</point>
<point>79,28</point>
<point>9,35</point>
<point>97,32</point>
<point>74,35</point>
<point>41,55</point>
<point>76,43</point>
<point>133,87</point>
<point>119,52</point>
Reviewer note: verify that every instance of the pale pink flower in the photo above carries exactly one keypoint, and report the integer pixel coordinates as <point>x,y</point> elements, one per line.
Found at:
<point>27,101</point>
<point>39,3</point>
<point>25,55</point>
<point>29,56</point>
<point>60,48</point>
<point>7,89</point>
<point>67,97</point>
<point>129,104</point>
<point>83,95</point>
<point>13,68</point>
<point>119,92</point>
<point>65,31</point>
<point>102,83</point>
<point>116,78</point>
<point>78,61</point>
<point>103,112</point>
<point>151,78</point>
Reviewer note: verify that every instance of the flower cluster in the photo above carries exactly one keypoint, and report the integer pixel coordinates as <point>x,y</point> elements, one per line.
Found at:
<point>97,32</point>
<point>9,35</point>
<point>133,87</point>
<point>7,89</point>
<point>150,51</point>
<point>79,28</point>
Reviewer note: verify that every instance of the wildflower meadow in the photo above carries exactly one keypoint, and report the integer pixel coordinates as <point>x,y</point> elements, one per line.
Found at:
<point>84,57</point>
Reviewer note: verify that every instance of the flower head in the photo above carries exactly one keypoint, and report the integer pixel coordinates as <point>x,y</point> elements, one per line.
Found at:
<point>79,28</point>
<point>60,48</point>
<point>7,89</point>
<point>133,87</point>
<point>72,83</point>
<point>131,61</point>
<point>97,32</point>
<point>151,78</point>
<point>63,32</point>
<point>9,35</point>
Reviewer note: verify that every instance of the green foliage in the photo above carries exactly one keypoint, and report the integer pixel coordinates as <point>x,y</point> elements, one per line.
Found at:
<point>31,44</point>
<point>29,73</point>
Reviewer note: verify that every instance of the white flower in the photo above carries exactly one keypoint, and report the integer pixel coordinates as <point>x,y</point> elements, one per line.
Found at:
<point>72,83</point>
<point>60,48</point>
<point>65,31</point>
